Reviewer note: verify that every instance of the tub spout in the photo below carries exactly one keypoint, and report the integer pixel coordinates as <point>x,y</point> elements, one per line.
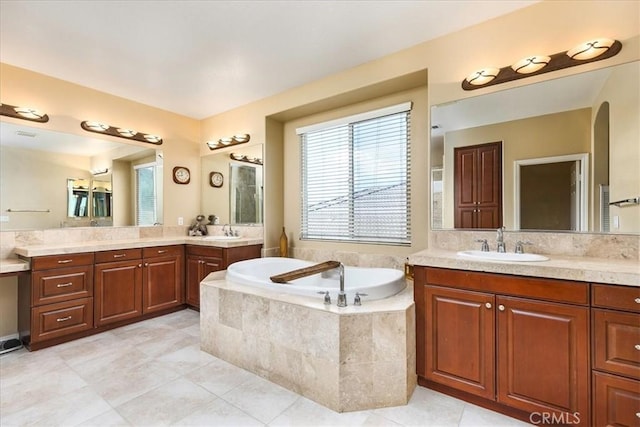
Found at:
<point>342,296</point>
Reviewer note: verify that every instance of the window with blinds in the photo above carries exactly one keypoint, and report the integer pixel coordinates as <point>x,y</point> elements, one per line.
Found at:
<point>355,178</point>
<point>146,194</point>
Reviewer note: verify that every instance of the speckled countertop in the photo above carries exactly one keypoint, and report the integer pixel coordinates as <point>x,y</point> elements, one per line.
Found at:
<point>13,265</point>
<point>584,269</point>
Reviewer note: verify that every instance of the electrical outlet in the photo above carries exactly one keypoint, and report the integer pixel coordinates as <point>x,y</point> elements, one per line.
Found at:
<point>616,221</point>
<point>180,220</point>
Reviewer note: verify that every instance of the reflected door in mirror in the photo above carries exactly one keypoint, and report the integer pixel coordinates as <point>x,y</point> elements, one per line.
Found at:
<point>478,186</point>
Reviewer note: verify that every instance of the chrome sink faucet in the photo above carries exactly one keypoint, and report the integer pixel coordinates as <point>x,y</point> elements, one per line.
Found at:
<point>500,240</point>
<point>227,232</point>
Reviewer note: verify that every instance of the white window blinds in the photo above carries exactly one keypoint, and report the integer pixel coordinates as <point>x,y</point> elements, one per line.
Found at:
<point>355,178</point>
<point>146,194</point>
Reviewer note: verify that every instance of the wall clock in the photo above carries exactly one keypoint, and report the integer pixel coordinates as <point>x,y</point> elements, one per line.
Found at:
<point>216,179</point>
<point>181,175</point>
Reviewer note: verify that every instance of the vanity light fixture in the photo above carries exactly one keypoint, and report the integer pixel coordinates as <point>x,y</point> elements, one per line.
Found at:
<point>229,141</point>
<point>100,172</point>
<point>243,158</point>
<point>24,113</point>
<point>590,51</point>
<point>98,127</point>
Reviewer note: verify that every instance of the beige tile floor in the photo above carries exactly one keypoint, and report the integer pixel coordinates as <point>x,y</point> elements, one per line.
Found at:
<point>153,373</point>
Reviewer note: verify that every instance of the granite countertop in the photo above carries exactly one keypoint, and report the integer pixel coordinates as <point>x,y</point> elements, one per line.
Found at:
<point>105,245</point>
<point>14,265</point>
<point>584,269</point>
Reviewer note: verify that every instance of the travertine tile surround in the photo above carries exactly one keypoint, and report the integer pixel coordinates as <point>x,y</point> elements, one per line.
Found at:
<point>347,359</point>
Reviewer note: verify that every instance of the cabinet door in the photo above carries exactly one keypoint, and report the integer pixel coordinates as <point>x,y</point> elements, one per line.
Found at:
<point>460,339</point>
<point>616,342</point>
<point>198,268</point>
<point>118,291</point>
<point>616,401</point>
<point>162,284</point>
<point>543,357</point>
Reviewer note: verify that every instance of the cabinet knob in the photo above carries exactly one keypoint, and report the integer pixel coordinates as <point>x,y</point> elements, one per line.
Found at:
<point>637,346</point>
<point>139,265</point>
<point>638,414</point>
<point>487,304</point>
<point>637,300</point>
<point>501,307</point>
<point>146,264</point>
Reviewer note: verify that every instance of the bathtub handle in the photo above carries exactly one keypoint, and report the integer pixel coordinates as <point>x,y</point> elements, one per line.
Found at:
<point>327,297</point>
<point>356,299</point>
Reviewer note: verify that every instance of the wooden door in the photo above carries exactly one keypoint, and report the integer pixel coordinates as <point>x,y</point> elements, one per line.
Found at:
<point>118,291</point>
<point>616,401</point>
<point>198,268</point>
<point>543,357</point>
<point>162,278</point>
<point>478,186</point>
<point>460,340</point>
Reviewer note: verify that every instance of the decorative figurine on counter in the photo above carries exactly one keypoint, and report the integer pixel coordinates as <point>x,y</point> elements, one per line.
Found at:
<point>213,220</point>
<point>198,227</point>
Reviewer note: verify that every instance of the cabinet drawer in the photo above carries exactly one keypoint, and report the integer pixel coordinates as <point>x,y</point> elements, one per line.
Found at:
<point>520,286</point>
<point>204,251</point>
<point>616,342</point>
<point>56,261</point>
<point>616,297</point>
<point>62,284</point>
<point>616,401</point>
<point>56,320</point>
<point>162,251</point>
<point>118,255</point>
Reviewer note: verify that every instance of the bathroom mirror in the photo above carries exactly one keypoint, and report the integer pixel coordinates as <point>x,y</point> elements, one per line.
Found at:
<point>589,120</point>
<point>238,198</point>
<point>52,179</point>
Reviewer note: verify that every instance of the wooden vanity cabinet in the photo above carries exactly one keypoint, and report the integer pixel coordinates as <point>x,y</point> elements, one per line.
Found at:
<point>162,278</point>
<point>55,300</point>
<point>118,286</point>
<point>202,260</point>
<point>515,344</point>
<point>615,317</point>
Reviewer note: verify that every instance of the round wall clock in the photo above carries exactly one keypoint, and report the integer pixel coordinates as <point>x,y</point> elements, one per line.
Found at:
<point>181,175</point>
<point>216,179</point>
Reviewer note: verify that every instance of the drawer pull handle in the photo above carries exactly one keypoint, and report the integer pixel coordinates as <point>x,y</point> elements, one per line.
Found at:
<point>64,285</point>
<point>637,300</point>
<point>637,346</point>
<point>163,251</point>
<point>120,255</point>
<point>487,304</point>
<point>65,261</point>
<point>501,307</point>
<point>63,319</point>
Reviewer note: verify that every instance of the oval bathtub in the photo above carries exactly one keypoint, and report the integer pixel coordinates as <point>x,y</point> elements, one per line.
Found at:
<point>377,283</point>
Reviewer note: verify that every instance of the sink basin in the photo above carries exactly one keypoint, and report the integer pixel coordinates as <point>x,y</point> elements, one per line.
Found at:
<point>501,256</point>
<point>219,238</point>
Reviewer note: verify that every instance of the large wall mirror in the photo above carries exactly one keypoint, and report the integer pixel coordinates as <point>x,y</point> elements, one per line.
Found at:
<point>51,179</point>
<point>569,148</point>
<point>232,185</point>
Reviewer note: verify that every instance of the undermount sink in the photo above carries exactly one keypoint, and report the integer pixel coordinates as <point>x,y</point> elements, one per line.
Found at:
<point>501,256</point>
<point>221,237</point>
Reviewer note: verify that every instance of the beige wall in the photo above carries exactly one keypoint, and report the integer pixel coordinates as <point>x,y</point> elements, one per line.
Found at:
<point>544,136</point>
<point>624,143</point>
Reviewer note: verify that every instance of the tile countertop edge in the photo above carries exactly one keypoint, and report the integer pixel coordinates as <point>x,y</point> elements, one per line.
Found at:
<point>105,245</point>
<point>583,269</point>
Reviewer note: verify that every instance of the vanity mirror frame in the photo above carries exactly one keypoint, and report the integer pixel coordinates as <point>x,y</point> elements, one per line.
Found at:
<point>563,85</point>
<point>216,200</point>
<point>55,157</point>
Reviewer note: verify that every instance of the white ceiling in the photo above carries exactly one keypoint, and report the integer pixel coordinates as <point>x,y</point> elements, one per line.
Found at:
<point>200,58</point>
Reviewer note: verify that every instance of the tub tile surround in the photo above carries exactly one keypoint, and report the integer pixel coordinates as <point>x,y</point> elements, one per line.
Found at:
<point>355,259</point>
<point>346,359</point>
